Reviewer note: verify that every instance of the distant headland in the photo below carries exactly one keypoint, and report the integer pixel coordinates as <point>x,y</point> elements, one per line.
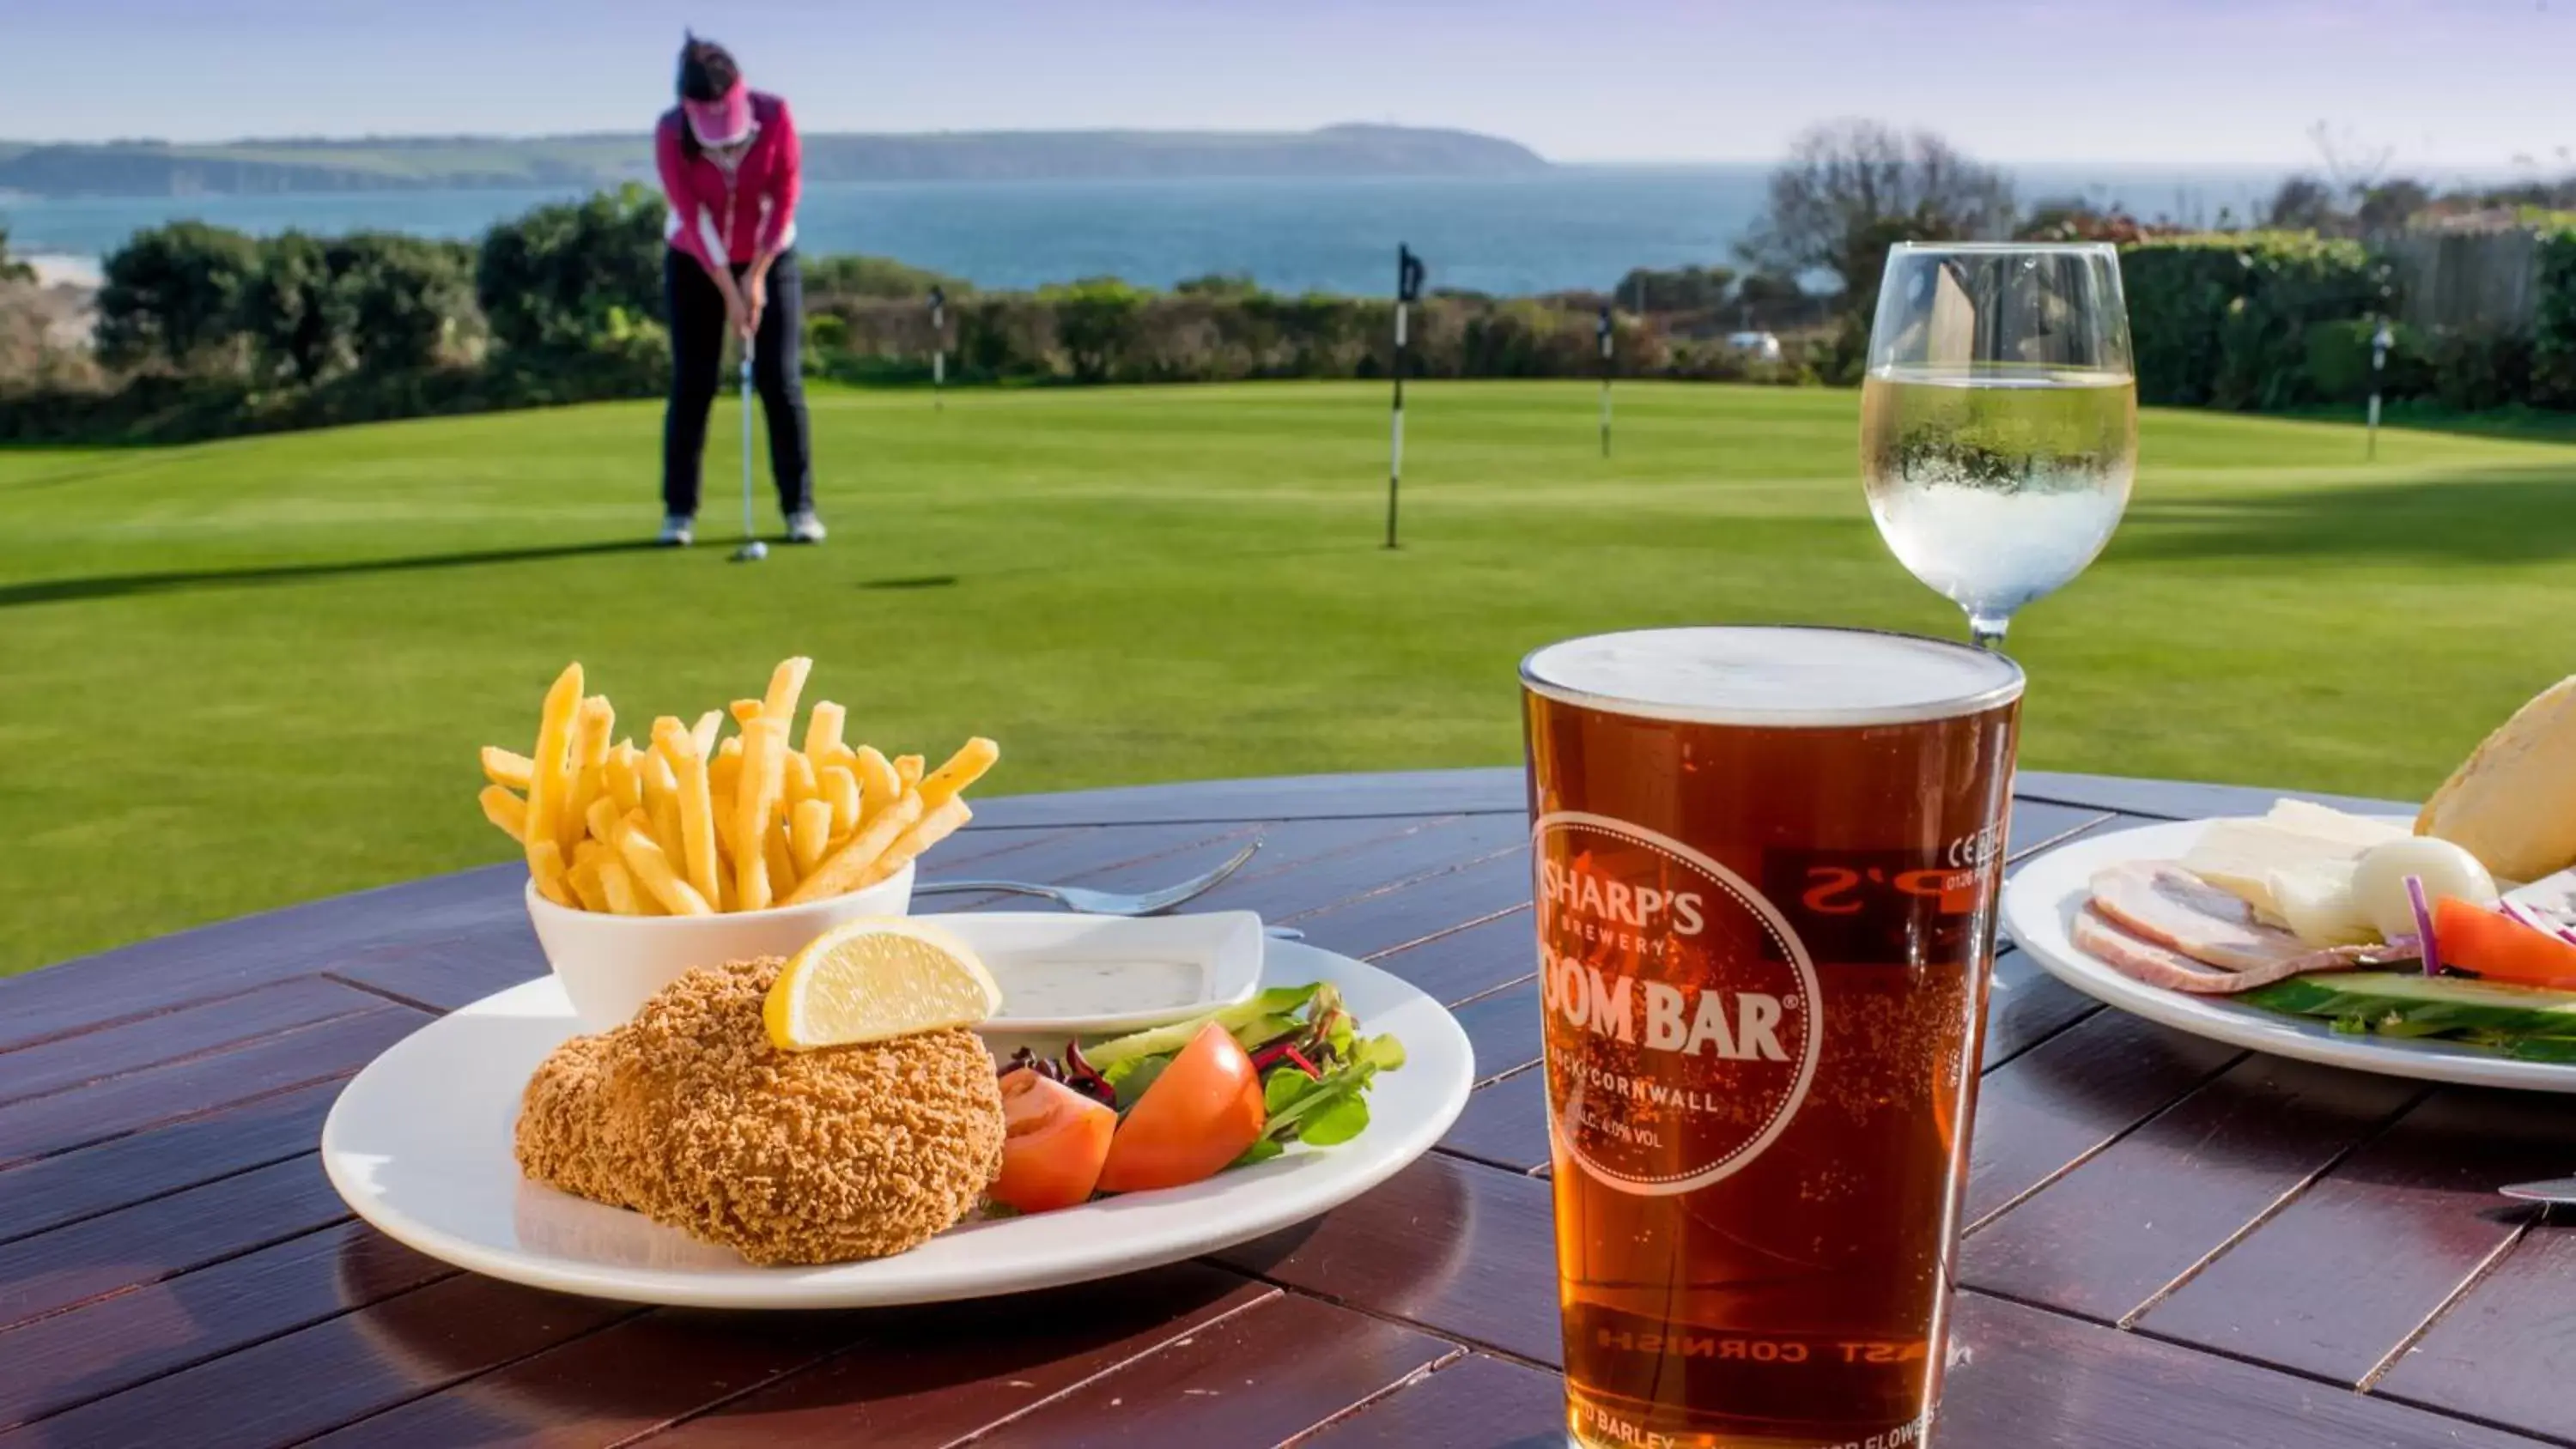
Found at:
<point>249,167</point>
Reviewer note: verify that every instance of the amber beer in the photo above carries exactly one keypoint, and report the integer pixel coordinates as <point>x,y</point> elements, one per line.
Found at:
<point>1766,868</point>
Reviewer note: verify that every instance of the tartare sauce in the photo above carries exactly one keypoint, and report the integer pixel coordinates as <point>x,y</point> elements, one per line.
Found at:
<point>1036,986</point>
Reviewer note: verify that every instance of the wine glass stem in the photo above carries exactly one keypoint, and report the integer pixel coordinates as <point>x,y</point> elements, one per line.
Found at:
<point>1986,631</point>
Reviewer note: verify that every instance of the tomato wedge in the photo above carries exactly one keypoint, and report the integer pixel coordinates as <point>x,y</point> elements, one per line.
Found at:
<point>1054,1141</point>
<point>1199,1115</point>
<point>2476,939</point>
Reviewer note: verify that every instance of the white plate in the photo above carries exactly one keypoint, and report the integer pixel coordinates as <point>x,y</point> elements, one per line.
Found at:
<point>1223,947</point>
<point>419,1145</point>
<point>2039,908</point>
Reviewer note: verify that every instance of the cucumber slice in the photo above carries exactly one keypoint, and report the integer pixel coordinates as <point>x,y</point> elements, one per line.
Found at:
<point>2422,1005</point>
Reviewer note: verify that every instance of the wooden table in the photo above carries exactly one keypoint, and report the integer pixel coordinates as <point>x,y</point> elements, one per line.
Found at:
<point>2170,1242</point>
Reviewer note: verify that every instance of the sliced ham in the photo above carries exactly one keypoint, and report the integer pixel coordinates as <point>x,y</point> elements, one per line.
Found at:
<point>2140,959</point>
<point>2172,907</point>
<point>2155,922</point>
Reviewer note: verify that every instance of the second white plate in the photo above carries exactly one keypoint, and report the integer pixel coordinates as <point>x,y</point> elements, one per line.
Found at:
<point>420,1145</point>
<point>2039,909</point>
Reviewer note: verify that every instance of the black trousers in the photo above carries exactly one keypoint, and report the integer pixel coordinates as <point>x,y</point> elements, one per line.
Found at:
<point>697,314</point>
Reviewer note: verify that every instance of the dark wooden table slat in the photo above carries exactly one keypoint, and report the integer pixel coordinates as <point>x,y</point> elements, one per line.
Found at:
<point>65,1120</point>
<point>2104,1239</point>
<point>131,1337</point>
<point>2506,1351</point>
<point>2335,1281</point>
<point>1474,1402</point>
<point>938,1374</point>
<point>2029,1379</point>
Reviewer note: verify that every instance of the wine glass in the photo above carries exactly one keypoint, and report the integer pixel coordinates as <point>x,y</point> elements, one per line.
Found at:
<point>1998,419</point>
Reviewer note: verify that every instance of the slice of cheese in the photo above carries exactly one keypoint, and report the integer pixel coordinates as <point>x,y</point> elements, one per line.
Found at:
<point>2328,823</point>
<point>2241,857</point>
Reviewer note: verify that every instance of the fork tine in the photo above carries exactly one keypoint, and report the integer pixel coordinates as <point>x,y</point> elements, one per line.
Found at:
<point>1170,896</point>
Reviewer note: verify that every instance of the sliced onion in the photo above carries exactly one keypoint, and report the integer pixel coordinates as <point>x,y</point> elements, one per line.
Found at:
<point>2527,916</point>
<point>2424,925</point>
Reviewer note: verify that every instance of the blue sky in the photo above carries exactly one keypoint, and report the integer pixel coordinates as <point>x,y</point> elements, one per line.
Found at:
<point>2465,84</point>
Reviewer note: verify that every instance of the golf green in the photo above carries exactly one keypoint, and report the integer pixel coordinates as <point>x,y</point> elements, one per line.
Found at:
<point>248,673</point>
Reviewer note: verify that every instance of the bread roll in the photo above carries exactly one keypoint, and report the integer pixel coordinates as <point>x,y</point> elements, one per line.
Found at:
<point>2512,804</point>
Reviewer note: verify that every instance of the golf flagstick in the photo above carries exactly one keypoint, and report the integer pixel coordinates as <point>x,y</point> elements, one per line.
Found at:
<point>1408,288</point>
<point>752,550</point>
<point>938,346</point>
<point>1606,367</point>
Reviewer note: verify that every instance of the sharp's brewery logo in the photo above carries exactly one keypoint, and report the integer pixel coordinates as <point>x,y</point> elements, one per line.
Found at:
<point>1681,1007</point>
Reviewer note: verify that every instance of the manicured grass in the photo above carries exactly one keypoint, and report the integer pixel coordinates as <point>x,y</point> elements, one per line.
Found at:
<point>248,673</point>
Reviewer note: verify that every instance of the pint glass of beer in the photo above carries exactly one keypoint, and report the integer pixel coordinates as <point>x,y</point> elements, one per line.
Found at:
<point>1766,861</point>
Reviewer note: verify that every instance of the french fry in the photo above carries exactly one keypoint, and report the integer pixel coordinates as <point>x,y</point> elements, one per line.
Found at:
<point>601,818</point>
<point>823,730</point>
<point>840,790</point>
<point>506,768</point>
<point>907,768</point>
<point>879,785</point>
<point>591,726</point>
<point>841,870</point>
<point>756,800</point>
<point>662,803</point>
<point>724,772</point>
<point>926,832</point>
<point>697,809</point>
<point>617,883</point>
<point>505,810</point>
<point>583,876</point>
<point>786,686</point>
<point>778,858</point>
<point>801,783</point>
<point>704,731</point>
<point>726,900</point>
<point>744,711</point>
<point>549,770</point>
<point>964,768</point>
<point>624,776</point>
<point>809,833</point>
<point>546,868</point>
<point>652,870</point>
<point>721,807</point>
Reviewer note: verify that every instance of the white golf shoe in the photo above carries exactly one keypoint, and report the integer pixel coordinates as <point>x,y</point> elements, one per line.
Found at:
<point>804,527</point>
<point>676,532</point>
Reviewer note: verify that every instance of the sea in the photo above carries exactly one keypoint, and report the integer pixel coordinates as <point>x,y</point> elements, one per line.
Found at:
<point>1566,228</point>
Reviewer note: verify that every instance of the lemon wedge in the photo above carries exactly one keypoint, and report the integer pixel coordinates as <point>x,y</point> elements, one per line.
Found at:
<point>874,978</point>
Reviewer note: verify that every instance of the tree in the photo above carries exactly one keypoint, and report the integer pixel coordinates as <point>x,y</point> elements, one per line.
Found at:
<point>568,275</point>
<point>174,292</point>
<point>2305,203</point>
<point>1852,189</point>
<point>2392,203</point>
<point>1684,289</point>
<point>406,297</point>
<point>11,269</point>
<point>298,324</point>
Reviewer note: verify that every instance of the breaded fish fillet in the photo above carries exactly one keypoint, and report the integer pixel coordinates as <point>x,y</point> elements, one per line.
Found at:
<point>688,1115</point>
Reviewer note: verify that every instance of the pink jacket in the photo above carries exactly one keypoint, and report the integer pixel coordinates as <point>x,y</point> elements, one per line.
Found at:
<point>740,215</point>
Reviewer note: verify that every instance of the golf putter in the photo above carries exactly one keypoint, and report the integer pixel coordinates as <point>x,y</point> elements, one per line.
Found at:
<point>752,550</point>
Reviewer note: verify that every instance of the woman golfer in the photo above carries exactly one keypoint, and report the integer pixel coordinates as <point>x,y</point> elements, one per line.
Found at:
<point>730,163</point>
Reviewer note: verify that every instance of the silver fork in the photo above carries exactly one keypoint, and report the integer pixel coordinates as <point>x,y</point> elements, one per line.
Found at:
<point>1100,903</point>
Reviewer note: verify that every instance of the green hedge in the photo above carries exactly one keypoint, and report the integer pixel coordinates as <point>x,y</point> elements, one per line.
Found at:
<point>2224,321</point>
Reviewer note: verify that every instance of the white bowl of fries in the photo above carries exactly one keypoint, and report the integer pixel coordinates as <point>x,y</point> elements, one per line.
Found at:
<point>698,849</point>
<point>611,964</point>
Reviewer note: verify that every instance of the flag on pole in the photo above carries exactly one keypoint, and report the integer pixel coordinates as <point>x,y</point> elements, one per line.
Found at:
<point>1608,332</point>
<point>938,346</point>
<point>1409,273</point>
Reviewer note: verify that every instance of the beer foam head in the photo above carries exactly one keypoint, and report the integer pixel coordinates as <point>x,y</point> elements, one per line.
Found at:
<point>1779,676</point>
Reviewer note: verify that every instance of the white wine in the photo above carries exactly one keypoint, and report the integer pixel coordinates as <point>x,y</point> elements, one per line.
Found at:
<point>1997,484</point>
